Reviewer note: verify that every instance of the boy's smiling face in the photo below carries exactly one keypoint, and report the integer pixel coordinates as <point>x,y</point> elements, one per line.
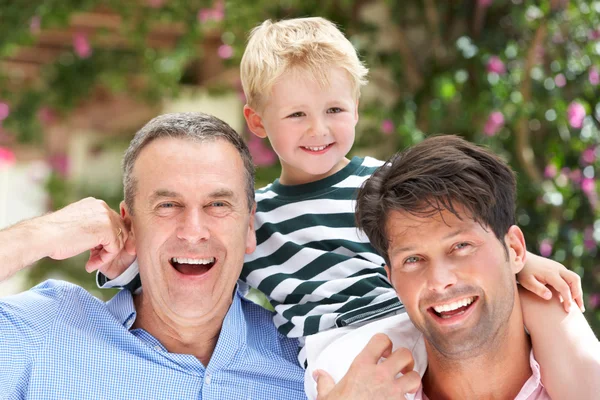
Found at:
<point>310,125</point>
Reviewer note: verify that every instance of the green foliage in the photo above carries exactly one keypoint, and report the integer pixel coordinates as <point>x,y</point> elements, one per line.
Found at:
<point>432,64</point>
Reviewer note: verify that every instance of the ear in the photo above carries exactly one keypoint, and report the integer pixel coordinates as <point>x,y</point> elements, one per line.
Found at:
<point>517,251</point>
<point>126,217</point>
<point>251,235</point>
<point>388,271</point>
<point>356,112</point>
<point>254,122</point>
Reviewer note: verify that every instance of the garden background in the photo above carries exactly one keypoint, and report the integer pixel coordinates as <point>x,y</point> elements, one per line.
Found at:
<point>79,77</point>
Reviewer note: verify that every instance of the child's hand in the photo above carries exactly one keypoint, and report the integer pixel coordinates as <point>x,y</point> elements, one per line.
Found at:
<point>539,272</point>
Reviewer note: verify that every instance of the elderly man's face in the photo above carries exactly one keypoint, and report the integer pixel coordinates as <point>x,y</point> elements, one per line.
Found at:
<point>191,224</point>
<point>454,278</point>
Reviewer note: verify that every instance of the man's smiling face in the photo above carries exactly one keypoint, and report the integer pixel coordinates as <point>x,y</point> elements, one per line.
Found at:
<point>191,224</point>
<point>454,277</point>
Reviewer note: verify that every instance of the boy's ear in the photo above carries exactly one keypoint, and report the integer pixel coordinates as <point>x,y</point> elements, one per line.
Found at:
<point>254,121</point>
<point>517,250</point>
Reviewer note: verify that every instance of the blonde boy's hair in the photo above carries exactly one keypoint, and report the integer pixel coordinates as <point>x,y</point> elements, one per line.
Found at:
<point>312,45</point>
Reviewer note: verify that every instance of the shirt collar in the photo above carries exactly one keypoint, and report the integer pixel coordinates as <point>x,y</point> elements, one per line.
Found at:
<point>232,338</point>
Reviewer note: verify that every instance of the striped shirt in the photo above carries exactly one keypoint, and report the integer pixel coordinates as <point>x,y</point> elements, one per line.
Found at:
<point>59,342</point>
<point>317,269</point>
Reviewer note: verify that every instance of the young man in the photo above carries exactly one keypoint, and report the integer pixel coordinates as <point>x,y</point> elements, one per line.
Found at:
<point>442,214</point>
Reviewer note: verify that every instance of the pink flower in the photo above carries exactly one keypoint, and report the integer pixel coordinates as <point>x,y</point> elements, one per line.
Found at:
<point>594,300</point>
<point>588,186</point>
<point>550,171</point>
<point>35,25</point>
<point>546,248</point>
<point>560,80</point>
<point>588,238</point>
<point>594,76</point>
<point>576,114</point>
<point>47,115</point>
<point>82,45</point>
<point>575,176</point>
<point>60,163</point>
<point>493,124</point>
<point>262,154</point>
<point>496,65</point>
<point>225,51</point>
<point>588,156</point>
<point>216,13</point>
<point>387,126</point>
<point>7,157</point>
<point>155,3</point>
<point>594,34</point>
<point>4,111</point>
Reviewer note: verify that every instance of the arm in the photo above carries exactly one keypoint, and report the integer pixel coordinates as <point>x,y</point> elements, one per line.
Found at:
<point>539,272</point>
<point>367,378</point>
<point>84,225</point>
<point>565,347</point>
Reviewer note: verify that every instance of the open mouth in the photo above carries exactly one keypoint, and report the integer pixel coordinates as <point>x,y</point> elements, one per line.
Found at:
<point>192,266</point>
<point>454,309</point>
<point>317,149</point>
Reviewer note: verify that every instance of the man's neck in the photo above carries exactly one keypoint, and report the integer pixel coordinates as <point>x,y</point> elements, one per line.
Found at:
<point>197,337</point>
<point>499,372</point>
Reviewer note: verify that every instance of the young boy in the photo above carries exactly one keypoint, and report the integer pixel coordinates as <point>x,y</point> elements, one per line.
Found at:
<point>302,81</point>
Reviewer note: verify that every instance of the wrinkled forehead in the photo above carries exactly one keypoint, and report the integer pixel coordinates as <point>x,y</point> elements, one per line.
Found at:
<point>191,163</point>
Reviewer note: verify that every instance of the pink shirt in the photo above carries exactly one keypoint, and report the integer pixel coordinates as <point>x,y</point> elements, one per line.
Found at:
<point>533,389</point>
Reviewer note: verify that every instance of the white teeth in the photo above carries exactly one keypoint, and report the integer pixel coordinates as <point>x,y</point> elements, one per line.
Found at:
<point>319,148</point>
<point>454,306</point>
<point>199,261</point>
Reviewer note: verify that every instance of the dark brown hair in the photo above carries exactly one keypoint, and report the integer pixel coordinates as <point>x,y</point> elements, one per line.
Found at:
<point>434,175</point>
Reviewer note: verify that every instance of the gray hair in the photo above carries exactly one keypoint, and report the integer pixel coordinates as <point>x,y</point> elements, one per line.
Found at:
<point>194,126</point>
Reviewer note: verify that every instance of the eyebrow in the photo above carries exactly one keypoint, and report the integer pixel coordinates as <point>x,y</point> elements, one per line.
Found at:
<point>448,236</point>
<point>165,193</point>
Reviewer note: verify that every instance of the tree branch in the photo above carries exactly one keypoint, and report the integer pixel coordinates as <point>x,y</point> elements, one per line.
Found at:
<point>524,151</point>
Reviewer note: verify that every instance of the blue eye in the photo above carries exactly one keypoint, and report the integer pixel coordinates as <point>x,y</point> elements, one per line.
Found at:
<point>167,205</point>
<point>334,110</point>
<point>461,246</point>
<point>218,204</point>
<point>296,115</point>
<point>412,260</point>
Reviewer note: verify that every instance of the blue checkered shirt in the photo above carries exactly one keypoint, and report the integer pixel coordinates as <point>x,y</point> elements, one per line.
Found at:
<point>59,342</point>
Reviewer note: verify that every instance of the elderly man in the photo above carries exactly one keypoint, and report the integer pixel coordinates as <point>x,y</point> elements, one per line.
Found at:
<point>188,217</point>
<point>442,215</point>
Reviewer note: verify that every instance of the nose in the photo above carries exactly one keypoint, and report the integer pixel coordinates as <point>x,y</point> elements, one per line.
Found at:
<point>193,226</point>
<point>318,126</point>
<point>441,277</point>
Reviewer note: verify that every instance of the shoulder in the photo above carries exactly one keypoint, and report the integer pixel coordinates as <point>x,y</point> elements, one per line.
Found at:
<point>41,302</point>
<point>260,325</point>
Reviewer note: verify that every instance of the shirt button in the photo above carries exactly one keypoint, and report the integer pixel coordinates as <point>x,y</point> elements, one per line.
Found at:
<point>157,348</point>
<point>207,378</point>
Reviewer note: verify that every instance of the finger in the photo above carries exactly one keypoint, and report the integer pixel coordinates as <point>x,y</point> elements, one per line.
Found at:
<point>92,263</point>
<point>400,361</point>
<point>410,382</point>
<point>574,281</point>
<point>118,265</point>
<point>535,286</point>
<point>559,284</point>
<point>379,346</point>
<point>325,383</point>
